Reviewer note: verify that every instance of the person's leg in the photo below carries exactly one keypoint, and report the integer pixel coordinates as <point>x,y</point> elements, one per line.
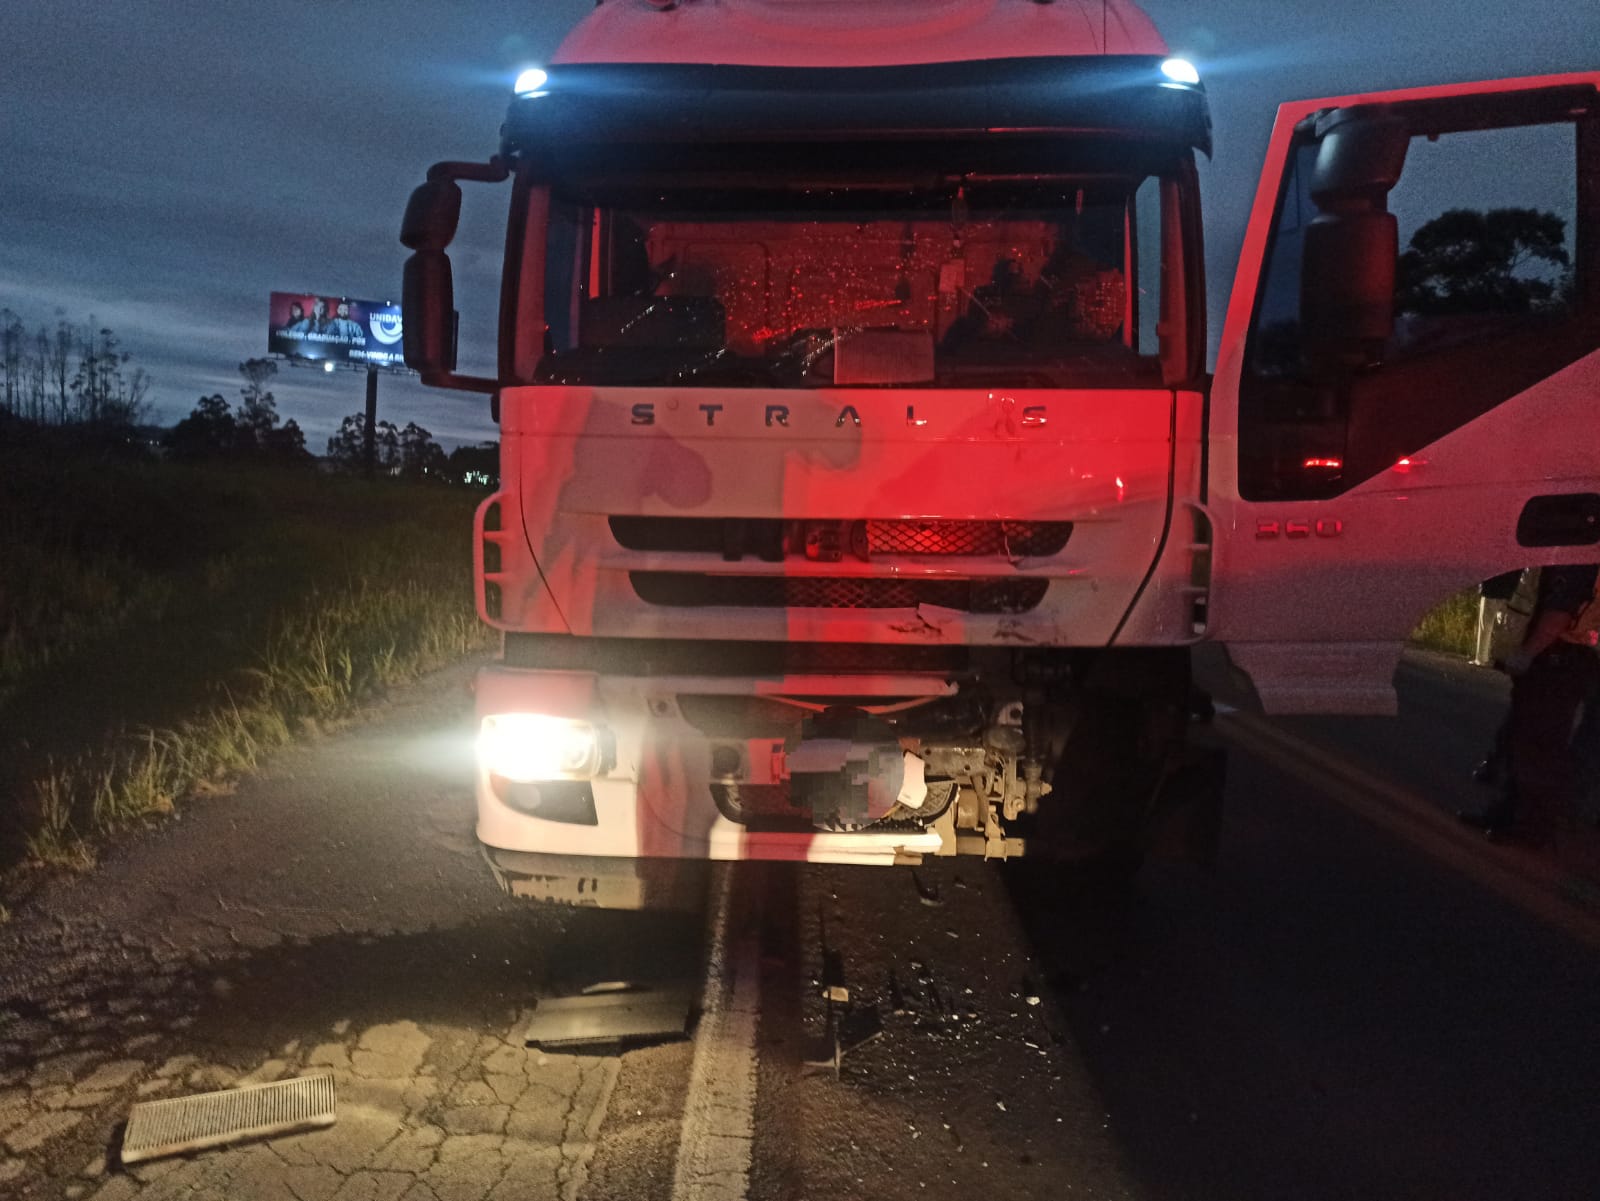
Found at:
<point>1544,773</point>
<point>1586,749</point>
<point>1492,770</point>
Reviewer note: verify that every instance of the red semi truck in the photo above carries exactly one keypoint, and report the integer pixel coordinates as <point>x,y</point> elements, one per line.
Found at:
<point>865,496</point>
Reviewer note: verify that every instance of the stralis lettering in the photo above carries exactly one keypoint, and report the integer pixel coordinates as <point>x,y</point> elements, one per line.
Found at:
<point>777,416</point>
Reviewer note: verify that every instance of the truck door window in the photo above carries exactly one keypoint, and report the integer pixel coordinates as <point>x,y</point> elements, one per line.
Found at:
<point>1144,248</point>
<point>1489,296</point>
<point>970,284</point>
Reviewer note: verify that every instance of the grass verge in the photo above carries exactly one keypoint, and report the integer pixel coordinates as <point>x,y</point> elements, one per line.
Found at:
<point>1451,627</point>
<point>175,624</point>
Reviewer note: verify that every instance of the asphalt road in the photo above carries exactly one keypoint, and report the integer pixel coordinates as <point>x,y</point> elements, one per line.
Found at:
<point>1358,1002</point>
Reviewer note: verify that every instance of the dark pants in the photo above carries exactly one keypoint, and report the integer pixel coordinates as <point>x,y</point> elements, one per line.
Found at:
<point>1544,769</point>
<point>1586,750</point>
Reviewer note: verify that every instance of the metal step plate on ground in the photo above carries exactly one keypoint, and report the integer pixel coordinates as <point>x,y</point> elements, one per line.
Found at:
<point>612,1013</point>
<point>181,1124</point>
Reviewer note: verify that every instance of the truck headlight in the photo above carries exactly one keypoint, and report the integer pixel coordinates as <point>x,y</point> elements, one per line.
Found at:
<point>525,747</point>
<point>531,82</point>
<point>1180,70</point>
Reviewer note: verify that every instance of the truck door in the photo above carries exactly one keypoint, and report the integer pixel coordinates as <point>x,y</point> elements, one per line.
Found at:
<point>1407,396</point>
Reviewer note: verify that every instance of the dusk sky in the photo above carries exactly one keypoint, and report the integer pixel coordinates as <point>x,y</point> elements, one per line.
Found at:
<point>168,164</point>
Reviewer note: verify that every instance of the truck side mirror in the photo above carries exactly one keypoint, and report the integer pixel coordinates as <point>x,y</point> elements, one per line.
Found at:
<point>1351,250</point>
<point>427,297</point>
<point>432,215</point>
<point>1360,155</point>
<point>428,308</point>
<point>428,294</point>
<point>1347,282</point>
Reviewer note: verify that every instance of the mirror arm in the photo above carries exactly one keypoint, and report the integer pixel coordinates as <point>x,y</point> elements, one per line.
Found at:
<point>495,170</point>
<point>479,384</point>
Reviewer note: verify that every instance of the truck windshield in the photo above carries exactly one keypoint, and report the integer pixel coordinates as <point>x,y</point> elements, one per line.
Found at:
<point>963,285</point>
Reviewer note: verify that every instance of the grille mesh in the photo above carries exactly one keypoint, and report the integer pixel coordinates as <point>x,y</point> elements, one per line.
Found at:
<point>767,538</point>
<point>1016,538</point>
<point>160,1128</point>
<point>686,590</point>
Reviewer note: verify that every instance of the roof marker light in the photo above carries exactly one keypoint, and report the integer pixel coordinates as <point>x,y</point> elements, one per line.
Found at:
<point>1180,70</point>
<point>531,82</point>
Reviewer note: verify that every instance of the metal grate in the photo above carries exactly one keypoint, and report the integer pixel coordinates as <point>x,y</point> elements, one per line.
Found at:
<point>772,539</point>
<point>1010,538</point>
<point>161,1128</point>
<point>683,590</point>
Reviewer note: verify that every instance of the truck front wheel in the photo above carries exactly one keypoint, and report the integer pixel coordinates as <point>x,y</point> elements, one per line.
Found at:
<point>1127,736</point>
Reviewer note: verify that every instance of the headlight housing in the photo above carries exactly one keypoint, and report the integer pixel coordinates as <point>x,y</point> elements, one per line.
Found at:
<point>528,747</point>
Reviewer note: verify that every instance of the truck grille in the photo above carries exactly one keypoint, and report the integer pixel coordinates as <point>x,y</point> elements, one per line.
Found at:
<point>1010,538</point>
<point>773,539</point>
<point>686,590</point>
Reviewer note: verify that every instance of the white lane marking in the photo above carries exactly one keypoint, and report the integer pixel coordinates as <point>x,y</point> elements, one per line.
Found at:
<point>719,1116</point>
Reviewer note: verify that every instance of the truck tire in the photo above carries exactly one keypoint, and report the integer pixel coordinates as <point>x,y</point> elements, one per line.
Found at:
<point>1125,740</point>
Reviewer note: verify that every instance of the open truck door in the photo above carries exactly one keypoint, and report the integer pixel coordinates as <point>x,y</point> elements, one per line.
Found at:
<point>1407,398</point>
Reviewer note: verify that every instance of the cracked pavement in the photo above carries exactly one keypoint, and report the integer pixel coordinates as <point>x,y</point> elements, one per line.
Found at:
<point>332,916</point>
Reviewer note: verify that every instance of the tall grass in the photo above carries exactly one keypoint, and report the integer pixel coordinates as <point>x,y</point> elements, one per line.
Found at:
<point>1452,626</point>
<point>145,658</point>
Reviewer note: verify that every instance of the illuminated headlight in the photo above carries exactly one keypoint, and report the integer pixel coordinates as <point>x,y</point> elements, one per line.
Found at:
<point>531,82</point>
<point>525,747</point>
<point>1180,70</point>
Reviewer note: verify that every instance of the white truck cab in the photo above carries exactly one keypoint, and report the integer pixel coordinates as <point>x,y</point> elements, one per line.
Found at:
<point>863,491</point>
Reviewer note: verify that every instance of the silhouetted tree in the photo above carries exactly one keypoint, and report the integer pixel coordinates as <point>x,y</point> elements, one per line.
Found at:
<point>13,348</point>
<point>208,432</point>
<point>287,444</point>
<point>103,392</point>
<point>1465,261</point>
<point>345,447</point>
<point>388,448</point>
<point>259,434</point>
<point>258,413</point>
<point>69,376</point>
<point>59,369</point>
<point>420,455</point>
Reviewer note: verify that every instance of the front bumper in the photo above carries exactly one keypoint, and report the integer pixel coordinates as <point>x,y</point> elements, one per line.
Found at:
<point>654,800</point>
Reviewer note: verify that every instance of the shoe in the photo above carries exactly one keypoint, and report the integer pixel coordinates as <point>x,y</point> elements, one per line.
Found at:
<point>1497,819</point>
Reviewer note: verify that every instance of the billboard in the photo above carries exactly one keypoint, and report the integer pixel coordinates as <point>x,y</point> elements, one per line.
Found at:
<point>336,329</point>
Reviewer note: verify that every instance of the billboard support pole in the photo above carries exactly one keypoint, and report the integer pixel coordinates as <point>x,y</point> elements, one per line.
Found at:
<point>369,435</point>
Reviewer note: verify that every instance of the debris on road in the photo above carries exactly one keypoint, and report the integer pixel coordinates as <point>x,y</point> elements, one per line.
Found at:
<point>157,1129</point>
<point>850,1027</point>
<point>927,890</point>
<point>612,1013</point>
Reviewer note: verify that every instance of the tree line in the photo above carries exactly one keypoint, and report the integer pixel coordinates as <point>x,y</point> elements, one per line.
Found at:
<point>69,374</point>
<point>214,430</point>
<point>74,381</point>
